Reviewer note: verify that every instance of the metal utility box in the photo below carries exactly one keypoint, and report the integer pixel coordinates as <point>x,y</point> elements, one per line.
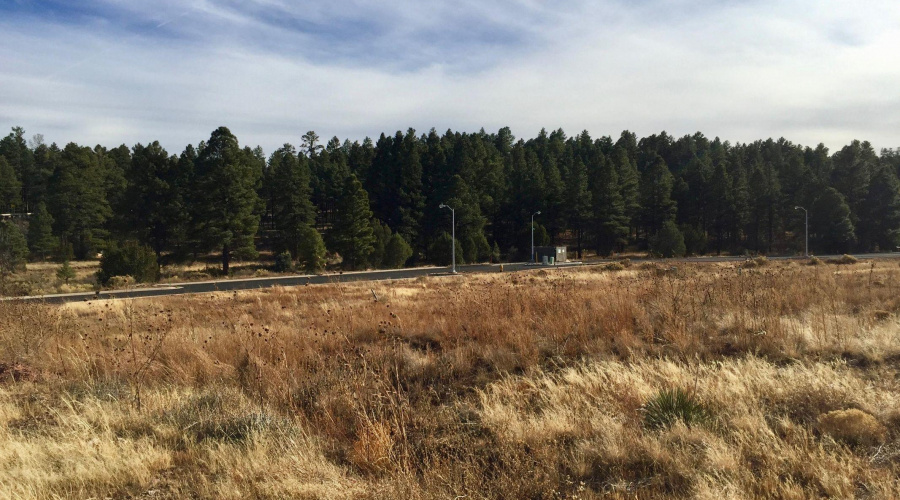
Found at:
<point>550,255</point>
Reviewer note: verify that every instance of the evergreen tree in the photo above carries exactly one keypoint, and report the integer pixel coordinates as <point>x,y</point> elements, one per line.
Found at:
<point>65,272</point>
<point>440,251</point>
<point>13,248</point>
<point>10,187</point>
<point>382,235</point>
<point>396,252</point>
<point>155,210</point>
<point>311,250</point>
<point>578,201</point>
<point>353,236</point>
<point>226,197</point>
<point>78,201</point>
<point>21,160</point>
<point>292,208</point>
<point>610,225</point>
<point>830,224</point>
<point>721,204</point>
<point>629,185</point>
<point>668,241</point>
<point>879,226</point>
<point>410,201</point>
<point>657,206</point>
<point>851,174</point>
<point>40,232</point>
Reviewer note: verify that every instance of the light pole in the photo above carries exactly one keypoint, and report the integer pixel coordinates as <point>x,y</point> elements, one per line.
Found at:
<point>807,227</point>
<point>534,259</point>
<point>452,236</point>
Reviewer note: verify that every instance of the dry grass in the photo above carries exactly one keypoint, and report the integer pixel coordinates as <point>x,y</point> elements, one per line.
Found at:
<point>524,385</point>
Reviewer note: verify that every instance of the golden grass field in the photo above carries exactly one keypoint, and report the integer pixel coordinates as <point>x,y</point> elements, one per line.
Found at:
<point>540,384</point>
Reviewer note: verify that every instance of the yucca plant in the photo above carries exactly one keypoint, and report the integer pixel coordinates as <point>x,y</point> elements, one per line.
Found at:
<point>671,405</point>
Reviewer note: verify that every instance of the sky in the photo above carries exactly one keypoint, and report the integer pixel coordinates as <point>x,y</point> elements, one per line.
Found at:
<point>126,71</point>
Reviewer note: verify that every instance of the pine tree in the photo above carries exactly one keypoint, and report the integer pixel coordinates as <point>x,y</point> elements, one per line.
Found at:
<point>721,204</point>
<point>629,185</point>
<point>311,250</point>
<point>830,224</point>
<point>40,232</point>
<point>879,226</point>
<point>226,197</point>
<point>10,187</point>
<point>292,208</point>
<point>65,272</point>
<point>353,236</point>
<point>578,199</point>
<point>21,160</point>
<point>13,248</point>
<point>77,200</point>
<point>155,209</point>
<point>610,224</point>
<point>396,252</point>
<point>410,201</point>
<point>852,172</point>
<point>657,206</point>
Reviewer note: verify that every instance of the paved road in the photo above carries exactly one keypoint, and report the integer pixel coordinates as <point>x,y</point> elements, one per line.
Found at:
<point>394,274</point>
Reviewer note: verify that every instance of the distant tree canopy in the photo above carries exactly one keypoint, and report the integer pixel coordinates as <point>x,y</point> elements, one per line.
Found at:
<point>376,202</point>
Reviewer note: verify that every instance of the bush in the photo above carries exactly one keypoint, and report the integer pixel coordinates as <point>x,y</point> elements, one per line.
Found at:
<point>668,242</point>
<point>396,252</point>
<point>470,250</point>
<point>439,251</point>
<point>128,259</point>
<point>670,406</point>
<point>844,260</point>
<point>283,262</point>
<point>814,261</point>
<point>614,266</point>
<point>65,272</point>
<point>695,240</point>
<point>495,253</point>
<point>312,252</point>
<point>755,262</point>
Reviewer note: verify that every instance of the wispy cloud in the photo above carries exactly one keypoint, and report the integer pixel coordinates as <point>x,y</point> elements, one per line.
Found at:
<point>112,71</point>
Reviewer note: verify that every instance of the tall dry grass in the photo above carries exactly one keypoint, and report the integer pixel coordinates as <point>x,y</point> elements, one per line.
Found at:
<point>526,385</point>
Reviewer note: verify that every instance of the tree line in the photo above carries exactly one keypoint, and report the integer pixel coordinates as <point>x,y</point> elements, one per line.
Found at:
<point>375,203</point>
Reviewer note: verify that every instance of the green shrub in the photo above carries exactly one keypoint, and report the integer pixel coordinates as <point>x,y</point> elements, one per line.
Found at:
<point>65,272</point>
<point>284,262</point>
<point>312,251</point>
<point>668,242</point>
<point>672,405</point>
<point>439,252</point>
<point>396,252</point>
<point>814,261</point>
<point>128,259</point>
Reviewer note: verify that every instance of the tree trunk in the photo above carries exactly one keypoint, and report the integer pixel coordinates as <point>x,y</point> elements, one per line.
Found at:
<point>226,259</point>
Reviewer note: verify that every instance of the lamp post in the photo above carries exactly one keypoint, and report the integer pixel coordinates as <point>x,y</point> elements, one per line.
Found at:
<point>453,236</point>
<point>807,227</point>
<point>534,259</point>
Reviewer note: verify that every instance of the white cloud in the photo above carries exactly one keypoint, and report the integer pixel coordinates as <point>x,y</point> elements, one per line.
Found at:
<point>808,71</point>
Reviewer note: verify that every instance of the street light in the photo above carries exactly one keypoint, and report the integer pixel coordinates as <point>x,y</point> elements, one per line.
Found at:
<point>453,236</point>
<point>807,227</point>
<point>532,235</point>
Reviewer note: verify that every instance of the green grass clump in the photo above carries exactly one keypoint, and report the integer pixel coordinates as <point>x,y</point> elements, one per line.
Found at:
<point>671,405</point>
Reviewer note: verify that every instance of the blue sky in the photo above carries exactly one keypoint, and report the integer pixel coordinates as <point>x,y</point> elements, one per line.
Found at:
<point>125,71</point>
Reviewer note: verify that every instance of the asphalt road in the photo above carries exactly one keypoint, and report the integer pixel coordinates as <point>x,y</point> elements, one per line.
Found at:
<point>393,274</point>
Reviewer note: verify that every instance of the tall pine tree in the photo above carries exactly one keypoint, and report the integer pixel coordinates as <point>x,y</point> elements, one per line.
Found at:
<point>227,215</point>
